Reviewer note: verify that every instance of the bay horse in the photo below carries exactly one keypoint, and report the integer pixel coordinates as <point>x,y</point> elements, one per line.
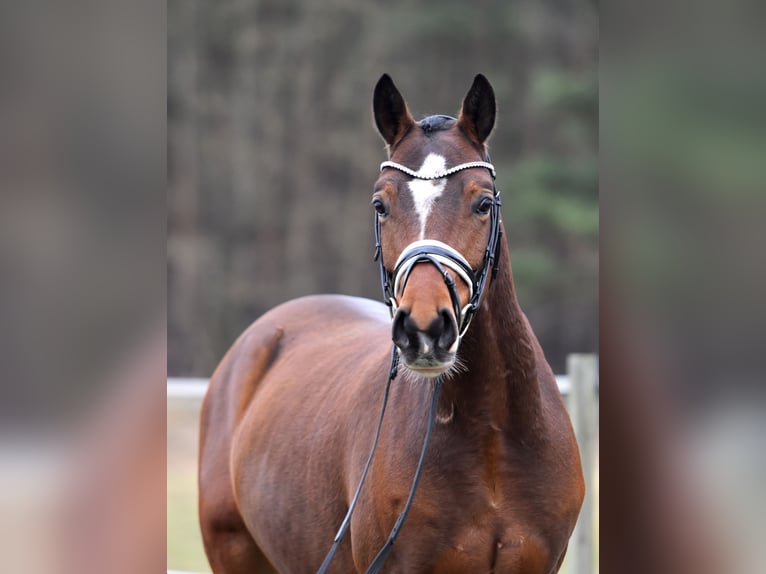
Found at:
<point>289,417</point>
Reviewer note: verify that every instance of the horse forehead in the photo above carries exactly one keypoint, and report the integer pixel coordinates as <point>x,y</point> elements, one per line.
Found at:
<point>425,191</point>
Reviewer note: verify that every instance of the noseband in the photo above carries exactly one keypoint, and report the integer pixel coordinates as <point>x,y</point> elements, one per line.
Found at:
<point>442,256</point>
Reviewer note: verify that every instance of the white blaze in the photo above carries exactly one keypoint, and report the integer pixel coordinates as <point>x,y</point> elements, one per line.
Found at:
<point>425,191</point>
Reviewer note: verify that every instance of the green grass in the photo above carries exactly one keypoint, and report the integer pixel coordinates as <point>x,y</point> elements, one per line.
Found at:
<point>184,540</point>
<point>184,543</point>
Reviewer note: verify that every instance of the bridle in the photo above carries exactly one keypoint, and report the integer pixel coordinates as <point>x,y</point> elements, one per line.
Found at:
<point>443,257</point>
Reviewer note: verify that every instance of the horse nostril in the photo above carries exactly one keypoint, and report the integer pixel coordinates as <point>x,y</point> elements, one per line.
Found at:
<point>399,333</point>
<point>445,329</point>
<point>439,336</point>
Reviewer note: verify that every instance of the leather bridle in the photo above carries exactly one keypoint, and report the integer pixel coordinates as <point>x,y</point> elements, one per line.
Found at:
<point>393,283</point>
<point>443,256</point>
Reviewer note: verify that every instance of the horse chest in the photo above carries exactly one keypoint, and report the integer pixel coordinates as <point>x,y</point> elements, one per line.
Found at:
<point>493,542</point>
<point>485,514</point>
<point>513,550</point>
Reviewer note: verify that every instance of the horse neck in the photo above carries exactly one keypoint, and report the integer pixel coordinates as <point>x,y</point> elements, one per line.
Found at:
<point>498,386</point>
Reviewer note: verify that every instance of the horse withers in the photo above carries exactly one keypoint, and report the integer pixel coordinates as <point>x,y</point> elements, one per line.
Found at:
<point>290,415</point>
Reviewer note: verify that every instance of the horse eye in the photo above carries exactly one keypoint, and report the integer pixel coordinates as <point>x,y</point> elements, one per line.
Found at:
<point>484,206</point>
<point>379,206</point>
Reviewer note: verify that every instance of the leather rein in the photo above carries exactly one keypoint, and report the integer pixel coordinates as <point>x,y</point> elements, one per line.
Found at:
<point>443,257</point>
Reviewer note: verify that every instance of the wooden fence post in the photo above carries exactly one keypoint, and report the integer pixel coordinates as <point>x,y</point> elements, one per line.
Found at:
<point>582,371</point>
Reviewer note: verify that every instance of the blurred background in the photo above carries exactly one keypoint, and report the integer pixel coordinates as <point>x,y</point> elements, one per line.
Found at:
<point>272,152</point>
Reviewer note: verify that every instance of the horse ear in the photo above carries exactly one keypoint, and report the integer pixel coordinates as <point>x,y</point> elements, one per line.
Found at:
<point>390,110</point>
<point>477,117</point>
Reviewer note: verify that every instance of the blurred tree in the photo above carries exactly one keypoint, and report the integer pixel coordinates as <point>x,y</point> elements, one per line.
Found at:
<point>272,152</point>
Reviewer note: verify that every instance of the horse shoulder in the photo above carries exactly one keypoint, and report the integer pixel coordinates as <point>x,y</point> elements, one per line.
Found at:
<point>258,349</point>
<point>278,363</point>
<point>305,372</point>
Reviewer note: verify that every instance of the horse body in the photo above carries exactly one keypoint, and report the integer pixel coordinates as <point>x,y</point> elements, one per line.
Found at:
<point>290,416</point>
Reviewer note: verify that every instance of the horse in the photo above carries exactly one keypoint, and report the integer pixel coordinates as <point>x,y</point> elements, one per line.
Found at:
<point>289,416</point>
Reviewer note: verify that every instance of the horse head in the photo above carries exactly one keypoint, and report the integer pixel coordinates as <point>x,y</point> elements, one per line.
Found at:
<point>437,221</point>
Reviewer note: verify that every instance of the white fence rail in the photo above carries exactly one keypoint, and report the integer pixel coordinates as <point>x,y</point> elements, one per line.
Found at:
<point>186,388</point>
<point>195,387</point>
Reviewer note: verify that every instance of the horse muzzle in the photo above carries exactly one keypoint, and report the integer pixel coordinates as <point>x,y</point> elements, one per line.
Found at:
<point>428,351</point>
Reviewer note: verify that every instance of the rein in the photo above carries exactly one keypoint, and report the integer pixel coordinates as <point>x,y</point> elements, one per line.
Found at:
<point>347,519</point>
<point>442,256</point>
<point>383,553</point>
